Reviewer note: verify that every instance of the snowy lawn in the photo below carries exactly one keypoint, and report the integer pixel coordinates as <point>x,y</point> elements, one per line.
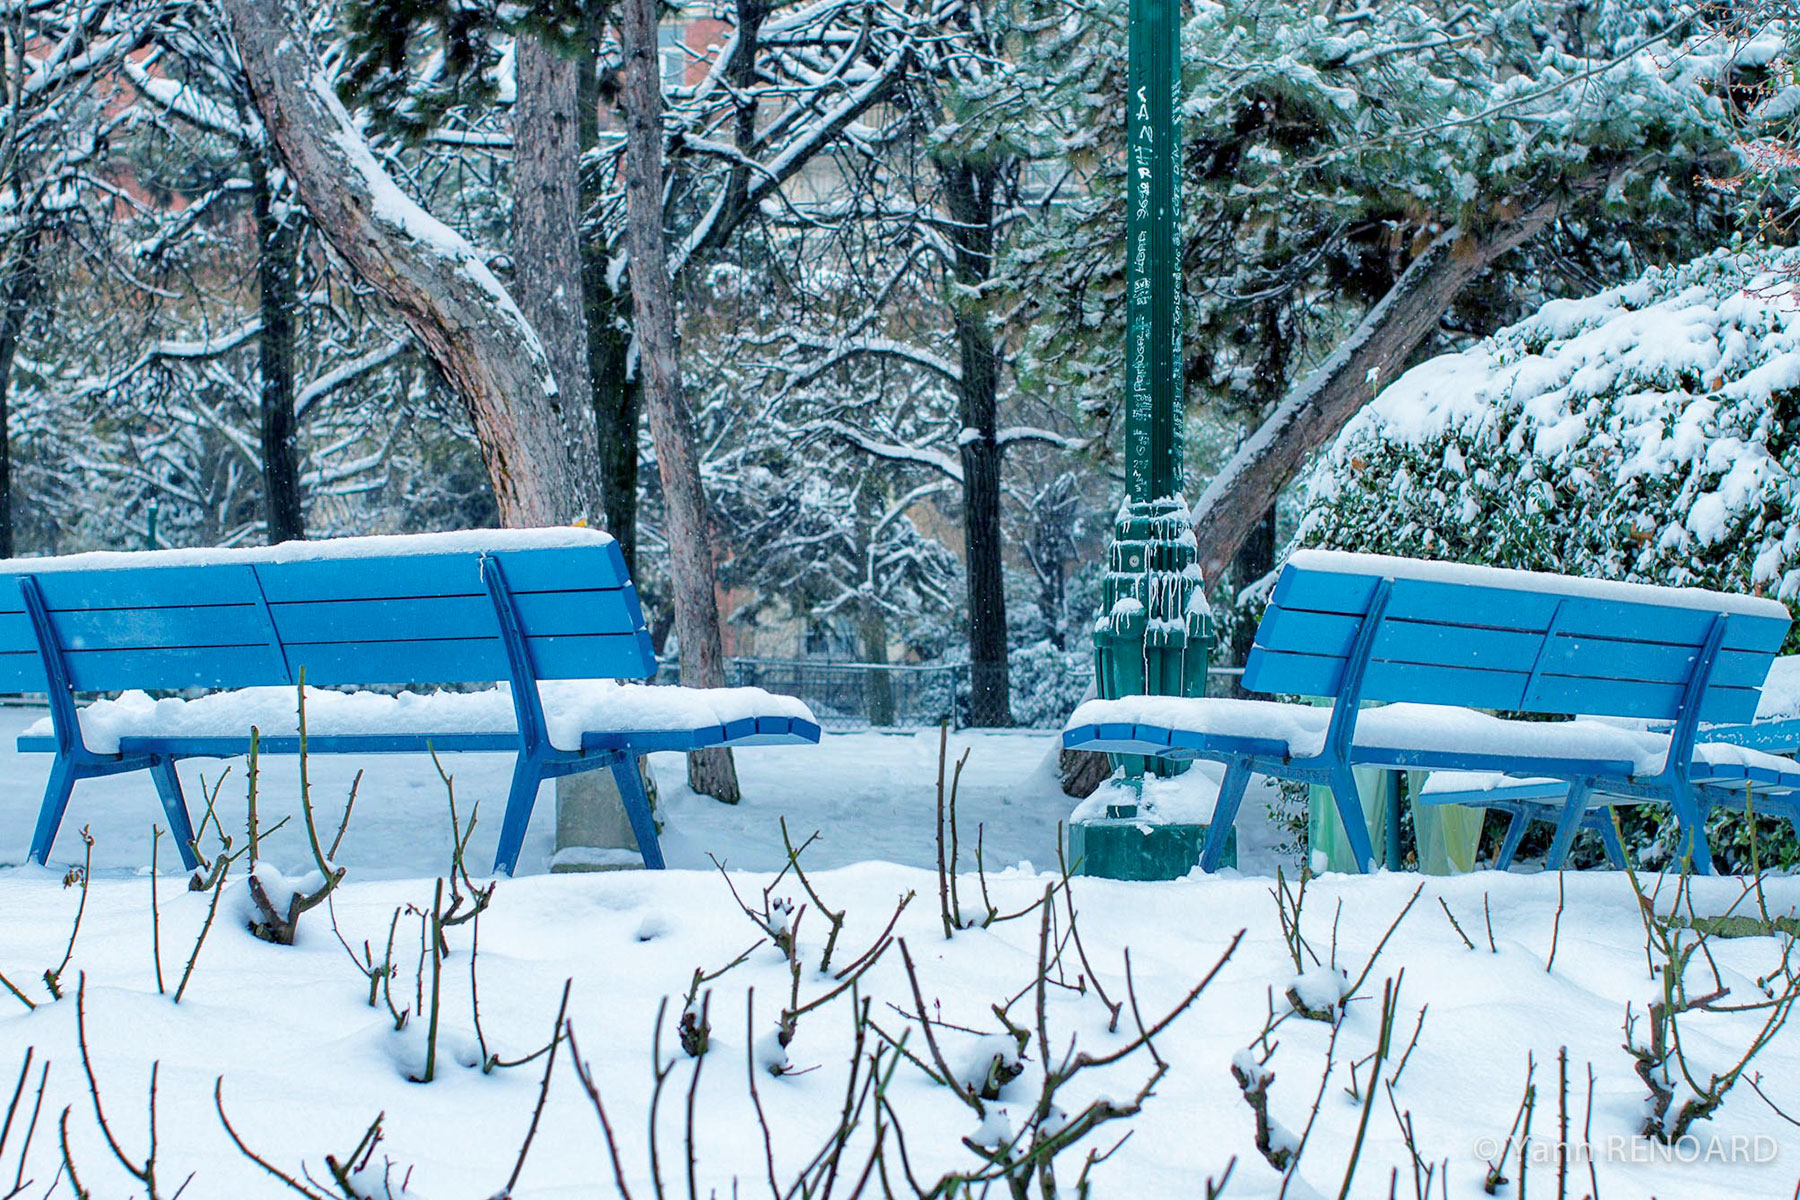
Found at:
<point>307,1063</point>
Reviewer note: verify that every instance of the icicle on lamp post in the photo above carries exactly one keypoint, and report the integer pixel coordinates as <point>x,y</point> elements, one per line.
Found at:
<point>1155,631</point>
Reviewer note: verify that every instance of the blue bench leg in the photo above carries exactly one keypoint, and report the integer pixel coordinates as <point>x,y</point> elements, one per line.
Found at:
<point>50,815</point>
<point>1568,824</point>
<point>528,774</point>
<point>1231,795</point>
<point>1350,811</point>
<point>168,789</point>
<point>637,810</point>
<point>1609,837</point>
<point>1691,844</point>
<point>1509,845</point>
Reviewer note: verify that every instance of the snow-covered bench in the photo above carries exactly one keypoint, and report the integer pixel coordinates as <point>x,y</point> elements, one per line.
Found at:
<point>1438,640</point>
<point>1769,782</point>
<point>510,606</point>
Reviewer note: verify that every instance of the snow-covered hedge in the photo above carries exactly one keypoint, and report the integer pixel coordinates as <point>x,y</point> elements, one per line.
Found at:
<point>1651,432</point>
<point>1048,683</point>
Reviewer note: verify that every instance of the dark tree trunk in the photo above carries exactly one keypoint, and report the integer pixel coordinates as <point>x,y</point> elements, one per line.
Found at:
<point>615,391</point>
<point>969,200</point>
<point>671,422</point>
<point>1081,772</point>
<point>1315,409</point>
<point>548,268</point>
<point>1254,559</point>
<point>1050,550</point>
<point>1051,592</point>
<point>19,284</point>
<point>277,263</point>
<point>617,402</point>
<point>873,633</point>
<point>433,278</point>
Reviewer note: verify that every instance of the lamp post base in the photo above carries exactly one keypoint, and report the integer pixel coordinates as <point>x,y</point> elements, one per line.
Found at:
<point>1127,848</point>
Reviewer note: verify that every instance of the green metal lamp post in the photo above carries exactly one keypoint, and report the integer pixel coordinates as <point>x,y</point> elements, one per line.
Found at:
<point>1155,632</point>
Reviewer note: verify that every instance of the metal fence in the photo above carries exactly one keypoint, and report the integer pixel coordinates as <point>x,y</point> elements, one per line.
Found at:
<point>853,695</point>
<point>857,695</point>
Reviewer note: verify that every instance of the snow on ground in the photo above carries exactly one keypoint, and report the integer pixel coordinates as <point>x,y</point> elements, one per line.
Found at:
<point>305,1063</point>
<point>871,796</point>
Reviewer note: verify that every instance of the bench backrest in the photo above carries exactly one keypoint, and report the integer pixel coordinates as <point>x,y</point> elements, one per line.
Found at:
<point>1510,640</point>
<point>352,615</point>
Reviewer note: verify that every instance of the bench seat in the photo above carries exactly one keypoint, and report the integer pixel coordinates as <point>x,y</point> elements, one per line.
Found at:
<point>1402,736</point>
<point>1722,775</point>
<point>1395,735</point>
<point>1774,780</point>
<point>579,714</point>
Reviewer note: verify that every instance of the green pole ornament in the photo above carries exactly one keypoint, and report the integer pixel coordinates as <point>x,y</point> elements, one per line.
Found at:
<point>1155,631</point>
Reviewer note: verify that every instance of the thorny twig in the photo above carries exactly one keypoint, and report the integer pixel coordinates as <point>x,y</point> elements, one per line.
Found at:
<point>78,875</point>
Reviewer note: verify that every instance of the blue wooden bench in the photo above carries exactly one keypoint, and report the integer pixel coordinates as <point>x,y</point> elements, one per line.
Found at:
<point>1432,638</point>
<point>480,607</point>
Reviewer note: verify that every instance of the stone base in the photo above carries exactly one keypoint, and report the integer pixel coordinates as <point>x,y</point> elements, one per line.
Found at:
<point>594,858</point>
<point>592,831</point>
<point>1133,849</point>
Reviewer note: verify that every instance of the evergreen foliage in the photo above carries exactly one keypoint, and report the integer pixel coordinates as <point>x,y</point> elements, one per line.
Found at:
<point>1650,434</point>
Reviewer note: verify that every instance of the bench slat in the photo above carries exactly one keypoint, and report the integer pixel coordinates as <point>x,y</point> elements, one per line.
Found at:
<point>550,570</point>
<point>160,628</point>
<point>542,614</point>
<point>1470,687</point>
<point>1330,635</point>
<point>127,588</point>
<point>22,671</point>
<point>348,743</point>
<point>227,666</point>
<point>470,660</point>
<point>1500,608</point>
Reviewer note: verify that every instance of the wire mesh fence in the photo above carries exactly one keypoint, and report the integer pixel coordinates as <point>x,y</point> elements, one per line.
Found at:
<point>853,695</point>
<point>858,695</point>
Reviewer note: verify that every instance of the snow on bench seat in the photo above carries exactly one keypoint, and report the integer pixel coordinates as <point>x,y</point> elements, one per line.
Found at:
<point>1298,731</point>
<point>572,708</point>
<point>1713,765</point>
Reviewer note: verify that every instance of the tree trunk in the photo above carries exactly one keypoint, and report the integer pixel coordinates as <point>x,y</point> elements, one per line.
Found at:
<point>1314,410</point>
<point>608,315</point>
<point>548,270</point>
<point>277,252</point>
<point>1081,772</point>
<point>432,277</point>
<point>969,197</point>
<point>616,404</point>
<point>671,423</point>
<point>20,282</point>
<point>873,632</point>
<point>1254,559</point>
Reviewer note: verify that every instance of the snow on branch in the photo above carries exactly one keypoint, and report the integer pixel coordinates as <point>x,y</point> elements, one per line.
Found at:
<point>212,347</point>
<point>1015,434</point>
<point>923,456</point>
<point>840,350</point>
<point>346,373</point>
<point>180,100</point>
